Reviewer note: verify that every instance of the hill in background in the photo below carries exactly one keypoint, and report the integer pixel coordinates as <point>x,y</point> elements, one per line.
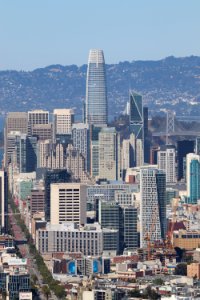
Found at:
<point>172,83</point>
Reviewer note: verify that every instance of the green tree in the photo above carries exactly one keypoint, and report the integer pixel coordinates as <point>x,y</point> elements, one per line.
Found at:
<point>158,281</point>
<point>46,291</point>
<point>135,293</point>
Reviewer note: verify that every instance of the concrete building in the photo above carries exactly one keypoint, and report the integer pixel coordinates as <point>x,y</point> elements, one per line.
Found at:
<point>167,162</point>
<point>37,200</point>
<point>42,131</point>
<point>75,164</point>
<point>69,238</point>
<point>153,205</point>
<point>63,120</point>
<point>109,154</point>
<point>38,117</point>
<point>68,203</point>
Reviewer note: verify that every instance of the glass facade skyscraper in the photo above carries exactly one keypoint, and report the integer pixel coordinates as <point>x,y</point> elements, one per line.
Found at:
<point>96,108</point>
<point>136,115</point>
<point>193,177</point>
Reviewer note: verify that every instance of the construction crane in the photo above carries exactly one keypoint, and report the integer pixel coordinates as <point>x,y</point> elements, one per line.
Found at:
<point>169,239</point>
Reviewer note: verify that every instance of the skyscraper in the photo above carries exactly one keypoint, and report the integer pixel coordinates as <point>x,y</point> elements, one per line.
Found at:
<point>136,124</point>
<point>153,205</point>
<point>68,203</point>
<point>15,121</point>
<point>81,141</point>
<point>183,148</point>
<point>96,108</point>
<point>109,154</point>
<point>63,120</point>
<point>136,115</point>
<point>166,162</point>
<point>193,177</point>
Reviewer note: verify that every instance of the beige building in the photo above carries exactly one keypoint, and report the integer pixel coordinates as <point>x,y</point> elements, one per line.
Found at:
<point>68,203</point>
<point>109,154</point>
<point>187,240</point>
<point>63,120</point>
<point>193,270</point>
<point>38,117</point>
<point>42,131</point>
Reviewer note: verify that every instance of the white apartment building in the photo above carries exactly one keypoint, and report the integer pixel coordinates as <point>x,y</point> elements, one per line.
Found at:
<point>152,205</point>
<point>167,162</point>
<point>68,203</point>
<point>69,238</point>
<point>63,120</point>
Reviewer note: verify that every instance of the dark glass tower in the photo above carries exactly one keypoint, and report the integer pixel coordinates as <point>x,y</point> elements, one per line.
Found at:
<point>96,108</point>
<point>183,147</point>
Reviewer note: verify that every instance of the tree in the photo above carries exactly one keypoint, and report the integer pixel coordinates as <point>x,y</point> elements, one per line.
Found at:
<point>46,291</point>
<point>158,281</point>
<point>151,294</point>
<point>135,293</point>
<point>181,269</point>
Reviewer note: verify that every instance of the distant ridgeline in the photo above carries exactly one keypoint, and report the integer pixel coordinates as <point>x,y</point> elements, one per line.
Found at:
<point>169,83</point>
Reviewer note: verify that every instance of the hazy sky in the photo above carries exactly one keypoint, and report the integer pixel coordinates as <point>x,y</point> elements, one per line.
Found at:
<point>36,33</point>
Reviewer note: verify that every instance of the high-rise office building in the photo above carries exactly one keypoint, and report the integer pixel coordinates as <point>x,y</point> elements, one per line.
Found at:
<point>22,151</point>
<point>53,176</point>
<point>183,148</point>
<point>153,205</point>
<point>37,200</point>
<point>96,107</point>
<point>109,154</point>
<point>3,202</point>
<point>193,177</point>
<point>15,121</point>
<point>136,124</point>
<point>63,120</point>
<point>81,141</point>
<point>136,115</point>
<point>42,131</point>
<point>38,117</point>
<point>130,227</point>
<point>68,203</point>
<point>166,162</point>
<point>94,152</point>
<point>75,164</point>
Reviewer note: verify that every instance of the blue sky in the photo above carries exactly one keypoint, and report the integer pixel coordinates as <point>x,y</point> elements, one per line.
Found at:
<point>36,33</point>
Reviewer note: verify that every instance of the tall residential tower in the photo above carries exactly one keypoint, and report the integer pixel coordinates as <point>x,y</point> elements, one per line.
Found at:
<point>96,110</point>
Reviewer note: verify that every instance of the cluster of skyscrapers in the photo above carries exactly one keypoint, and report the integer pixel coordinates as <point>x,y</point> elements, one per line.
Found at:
<point>83,187</point>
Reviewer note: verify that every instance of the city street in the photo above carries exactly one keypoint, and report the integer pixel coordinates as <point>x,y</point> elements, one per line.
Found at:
<point>24,250</point>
